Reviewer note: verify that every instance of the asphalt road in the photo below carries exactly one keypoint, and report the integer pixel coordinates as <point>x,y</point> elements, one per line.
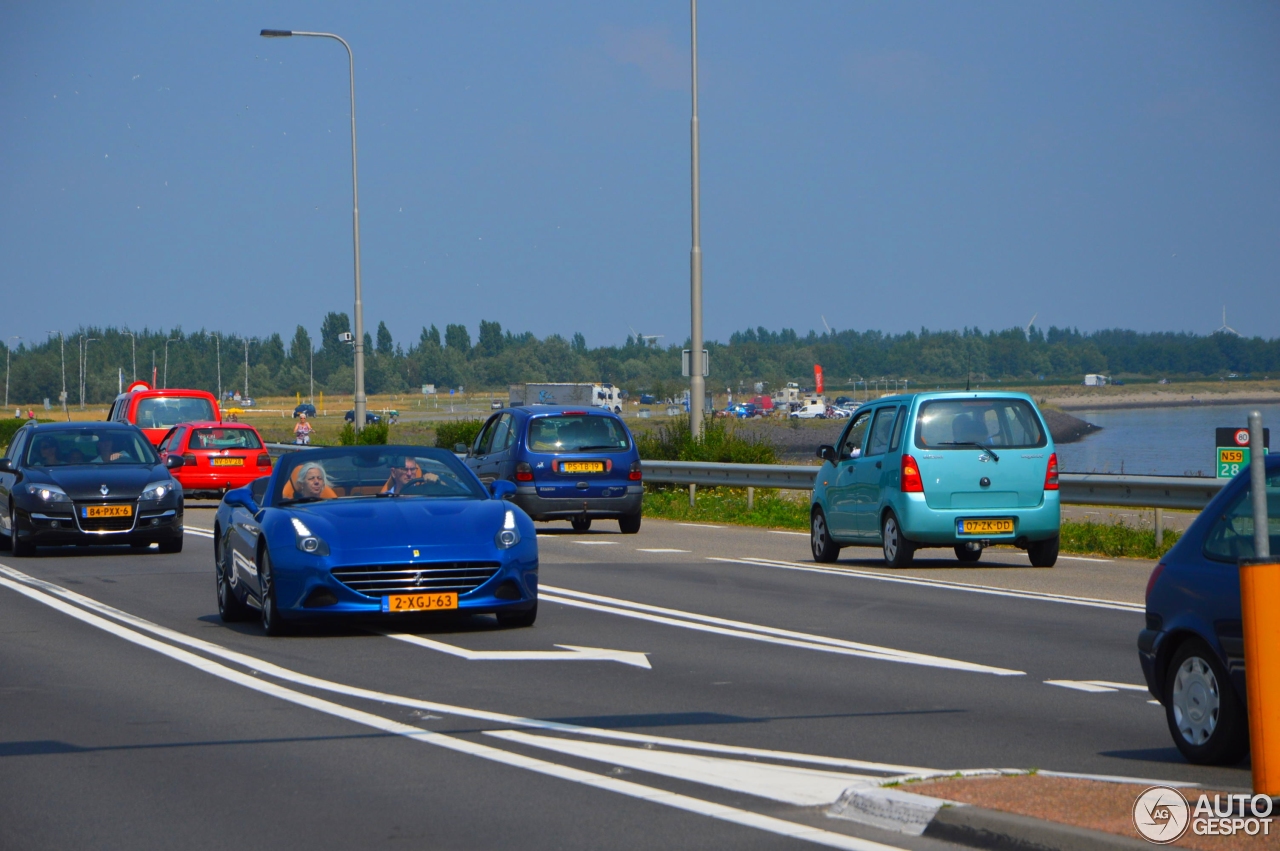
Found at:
<point>745,687</point>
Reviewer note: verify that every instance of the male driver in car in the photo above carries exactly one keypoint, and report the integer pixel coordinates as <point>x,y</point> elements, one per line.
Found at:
<point>107,451</point>
<point>408,472</point>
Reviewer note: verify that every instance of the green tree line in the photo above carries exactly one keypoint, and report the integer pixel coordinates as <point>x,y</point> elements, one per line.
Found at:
<point>496,358</point>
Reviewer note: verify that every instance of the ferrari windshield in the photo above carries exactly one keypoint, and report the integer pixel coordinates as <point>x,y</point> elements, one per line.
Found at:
<point>69,448</point>
<point>374,471</point>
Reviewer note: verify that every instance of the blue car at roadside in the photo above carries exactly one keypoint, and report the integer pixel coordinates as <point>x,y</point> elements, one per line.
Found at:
<point>963,470</point>
<point>575,464</point>
<point>1192,650</point>
<point>373,531</point>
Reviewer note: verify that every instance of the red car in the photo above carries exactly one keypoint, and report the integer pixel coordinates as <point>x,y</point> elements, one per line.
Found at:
<point>216,457</point>
<point>157,411</point>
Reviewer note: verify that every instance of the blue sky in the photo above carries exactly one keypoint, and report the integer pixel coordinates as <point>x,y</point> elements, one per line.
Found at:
<point>885,165</point>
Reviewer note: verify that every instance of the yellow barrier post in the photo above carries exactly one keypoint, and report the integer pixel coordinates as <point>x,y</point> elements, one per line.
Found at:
<point>1259,607</point>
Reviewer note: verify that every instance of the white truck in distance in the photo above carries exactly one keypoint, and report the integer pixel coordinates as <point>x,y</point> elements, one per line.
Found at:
<point>588,395</point>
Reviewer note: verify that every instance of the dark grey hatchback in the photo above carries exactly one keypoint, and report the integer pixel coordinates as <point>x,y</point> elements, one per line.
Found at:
<point>88,483</point>
<point>570,464</point>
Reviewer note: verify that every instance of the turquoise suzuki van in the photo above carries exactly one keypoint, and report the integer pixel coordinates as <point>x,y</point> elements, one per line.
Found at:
<point>960,470</point>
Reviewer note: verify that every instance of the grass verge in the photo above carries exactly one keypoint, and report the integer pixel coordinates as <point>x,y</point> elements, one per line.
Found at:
<point>776,510</point>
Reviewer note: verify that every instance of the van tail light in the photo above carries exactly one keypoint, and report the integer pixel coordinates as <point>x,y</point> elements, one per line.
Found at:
<point>1155,574</point>
<point>189,460</point>
<point>524,473</point>
<point>911,481</point>
<point>264,459</point>
<point>1051,474</point>
<point>635,475</point>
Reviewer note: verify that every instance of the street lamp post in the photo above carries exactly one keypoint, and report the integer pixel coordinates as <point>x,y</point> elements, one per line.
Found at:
<point>312,372</point>
<point>7,350</point>
<point>166,359</point>
<point>697,384</point>
<point>247,341</point>
<point>218,348</point>
<point>133,339</point>
<point>84,363</point>
<point>63,345</point>
<point>360,402</point>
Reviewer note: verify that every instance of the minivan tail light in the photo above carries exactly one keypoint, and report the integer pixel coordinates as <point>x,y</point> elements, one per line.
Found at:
<point>264,459</point>
<point>635,475</point>
<point>911,481</point>
<point>1051,474</point>
<point>524,473</point>
<point>1151,583</point>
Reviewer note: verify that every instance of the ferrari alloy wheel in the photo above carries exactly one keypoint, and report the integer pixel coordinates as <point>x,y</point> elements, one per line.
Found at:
<point>824,549</point>
<point>230,607</point>
<point>272,623</point>
<point>898,551</point>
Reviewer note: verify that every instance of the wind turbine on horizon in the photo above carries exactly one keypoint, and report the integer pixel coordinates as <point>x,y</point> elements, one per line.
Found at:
<point>1026,332</point>
<point>645,339</point>
<point>1227,329</point>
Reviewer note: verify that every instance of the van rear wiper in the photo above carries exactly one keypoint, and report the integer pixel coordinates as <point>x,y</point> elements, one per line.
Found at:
<point>983,447</point>
<point>588,448</point>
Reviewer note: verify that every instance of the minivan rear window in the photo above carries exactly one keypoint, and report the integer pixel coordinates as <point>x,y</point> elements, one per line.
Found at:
<point>167,411</point>
<point>577,433</point>
<point>961,423</point>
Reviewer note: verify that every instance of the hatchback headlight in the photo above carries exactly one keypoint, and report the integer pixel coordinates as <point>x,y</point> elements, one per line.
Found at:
<point>48,493</point>
<point>156,491</point>
<point>308,542</point>
<point>508,536</point>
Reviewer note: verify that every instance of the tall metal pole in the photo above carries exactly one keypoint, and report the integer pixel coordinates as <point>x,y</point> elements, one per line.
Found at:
<point>218,347</point>
<point>246,368</point>
<point>166,359</point>
<point>697,384</point>
<point>134,340</point>
<point>312,371</point>
<point>84,363</point>
<point>1258,485</point>
<point>6,368</point>
<point>360,401</point>
<point>62,340</point>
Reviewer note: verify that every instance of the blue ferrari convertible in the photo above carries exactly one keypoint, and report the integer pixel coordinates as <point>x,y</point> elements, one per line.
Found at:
<point>373,530</point>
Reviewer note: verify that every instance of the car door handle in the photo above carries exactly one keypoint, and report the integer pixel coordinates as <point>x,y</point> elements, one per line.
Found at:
<point>877,465</point>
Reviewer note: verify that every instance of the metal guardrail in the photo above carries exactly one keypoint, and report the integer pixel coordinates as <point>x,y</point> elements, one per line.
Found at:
<point>1188,492</point>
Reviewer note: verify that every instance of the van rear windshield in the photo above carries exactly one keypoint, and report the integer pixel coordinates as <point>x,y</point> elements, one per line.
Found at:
<point>168,411</point>
<point>577,433</point>
<point>961,423</point>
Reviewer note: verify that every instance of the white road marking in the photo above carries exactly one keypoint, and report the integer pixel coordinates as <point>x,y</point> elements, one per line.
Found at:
<point>570,653</point>
<point>203,533</point>
<point>270,669</point>
<point>659,550</point>
<point>755,632</point>
<point>700,525</point>
<point>597,543</point>
<point>781,532</point>
<point>1095,686</point>
<point>801,787</point>
<point>855,573</point>
<point>1085,558</point>
<point>634,790</point>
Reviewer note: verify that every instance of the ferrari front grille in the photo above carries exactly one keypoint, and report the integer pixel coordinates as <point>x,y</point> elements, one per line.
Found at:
<point>377,580</point>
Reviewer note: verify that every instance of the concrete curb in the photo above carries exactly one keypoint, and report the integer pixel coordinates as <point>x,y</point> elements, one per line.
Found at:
<point>951,821</point>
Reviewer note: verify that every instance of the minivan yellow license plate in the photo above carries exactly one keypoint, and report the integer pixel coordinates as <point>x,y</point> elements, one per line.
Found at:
<point>419,602</point>
<point>582,466</point>
<point>95,511</point>
<point>986,526</point>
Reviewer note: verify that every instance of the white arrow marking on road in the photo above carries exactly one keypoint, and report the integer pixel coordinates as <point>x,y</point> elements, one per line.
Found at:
<point>801,787</point>
<point>570,653</point>
<point>1095,686</point>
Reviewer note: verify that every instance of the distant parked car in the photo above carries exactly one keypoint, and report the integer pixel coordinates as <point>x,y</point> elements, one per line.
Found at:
<point>958,470</point>
<point>308,409</point>
<point>817,411</point>
<point>1192,651</point>
<point>369,417</point>
<point>495,405</point>
<point>646,399</point>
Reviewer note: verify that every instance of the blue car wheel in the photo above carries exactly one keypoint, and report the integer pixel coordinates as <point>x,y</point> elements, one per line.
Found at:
<point>1206,718</point>
<point>272,623</point>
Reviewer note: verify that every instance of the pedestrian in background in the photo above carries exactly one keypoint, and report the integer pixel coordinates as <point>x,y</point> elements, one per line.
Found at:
<point>302,431</point>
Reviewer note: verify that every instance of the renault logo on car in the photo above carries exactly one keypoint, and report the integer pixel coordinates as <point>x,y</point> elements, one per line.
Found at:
<point>104,490</point>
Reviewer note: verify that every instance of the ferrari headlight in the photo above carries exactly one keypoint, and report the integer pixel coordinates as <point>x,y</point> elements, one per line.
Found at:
<point>508,536</point>
<point>48,493</point>
<point>308,542</point>
<point>157,490</point>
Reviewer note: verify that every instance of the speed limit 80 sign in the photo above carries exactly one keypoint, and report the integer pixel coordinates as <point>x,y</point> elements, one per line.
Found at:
<point>1233,450</point>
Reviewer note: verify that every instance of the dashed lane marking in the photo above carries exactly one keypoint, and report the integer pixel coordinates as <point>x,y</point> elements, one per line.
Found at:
<point>700,525</point>
<point>597,543</point>
<point>659,550</point>
<point>782,532</point>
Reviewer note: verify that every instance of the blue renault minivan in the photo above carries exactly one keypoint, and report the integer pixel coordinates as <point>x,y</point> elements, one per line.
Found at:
<point>959,469</point>
<point>575,464</point>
